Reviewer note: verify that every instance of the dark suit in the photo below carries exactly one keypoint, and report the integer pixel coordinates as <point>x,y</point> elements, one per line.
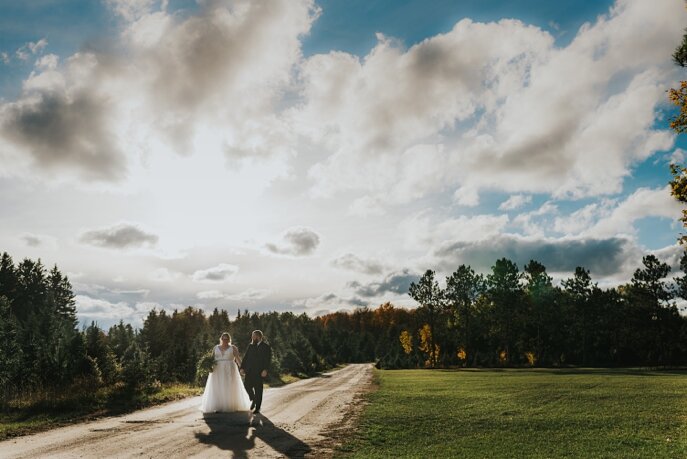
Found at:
<point>257,359</point>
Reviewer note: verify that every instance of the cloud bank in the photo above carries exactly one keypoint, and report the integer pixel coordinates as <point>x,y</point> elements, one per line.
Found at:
<point>297,242</point>
<point>122,236</point>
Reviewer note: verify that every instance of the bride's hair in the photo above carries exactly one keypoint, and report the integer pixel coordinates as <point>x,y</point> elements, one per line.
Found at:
<point>223,335</point>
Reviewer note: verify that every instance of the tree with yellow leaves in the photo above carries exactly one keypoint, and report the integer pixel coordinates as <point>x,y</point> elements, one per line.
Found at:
<point>430,297</point>
<point>406,341</point>
<point>678,123</point>
<point>429,346</point>
<point>463,288</point>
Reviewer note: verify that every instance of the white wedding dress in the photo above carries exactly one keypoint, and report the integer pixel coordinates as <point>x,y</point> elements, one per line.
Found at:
<point>224,389</point>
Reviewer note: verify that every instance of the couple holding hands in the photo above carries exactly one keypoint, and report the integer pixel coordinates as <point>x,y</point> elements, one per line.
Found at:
<point>224,390</point>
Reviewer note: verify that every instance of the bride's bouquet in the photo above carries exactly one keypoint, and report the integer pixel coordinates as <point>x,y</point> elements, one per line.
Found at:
<point>204,366</point>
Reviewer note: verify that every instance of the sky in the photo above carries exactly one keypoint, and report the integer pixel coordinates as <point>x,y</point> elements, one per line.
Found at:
<point>315,156</point>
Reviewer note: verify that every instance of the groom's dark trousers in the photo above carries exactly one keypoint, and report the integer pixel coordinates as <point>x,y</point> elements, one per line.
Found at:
<point>256,360</point>
<point>254,388</point>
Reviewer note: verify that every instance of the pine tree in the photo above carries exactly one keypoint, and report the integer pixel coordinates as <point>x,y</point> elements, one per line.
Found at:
<point>60,292</point>
<point>506,295</point>
<point>431,299</point>
<point>97,348</point>
<point>8,277</point>
<point>463,288</point>
<point>10,351</point>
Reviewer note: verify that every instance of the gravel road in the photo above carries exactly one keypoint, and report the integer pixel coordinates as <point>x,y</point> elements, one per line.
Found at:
<point>303,419</point>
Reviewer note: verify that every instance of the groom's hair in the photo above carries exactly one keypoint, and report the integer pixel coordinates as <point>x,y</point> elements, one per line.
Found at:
<point>259,333</point>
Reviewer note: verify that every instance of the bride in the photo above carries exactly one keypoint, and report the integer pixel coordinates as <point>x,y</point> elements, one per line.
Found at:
<point>224,389</point>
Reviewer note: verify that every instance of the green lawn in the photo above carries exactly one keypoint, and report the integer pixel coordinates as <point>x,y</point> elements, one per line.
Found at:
<point>524,413</point>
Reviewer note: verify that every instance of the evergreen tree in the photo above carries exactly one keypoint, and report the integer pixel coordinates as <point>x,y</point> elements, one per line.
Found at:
<point>62,297</point>
<point>540,309</point>
<point>136,369</point>
<point>10,351</point>
<point>463,288</point>
<point>431,300</point>
<point>650,295</point>
<point>579,289</point>
<point>98,349</point>
<point>120,337</point>
<point>506,295</point>
<point>8,277</point>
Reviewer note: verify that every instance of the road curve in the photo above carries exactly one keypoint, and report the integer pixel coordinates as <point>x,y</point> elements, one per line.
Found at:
<point>295,422</point>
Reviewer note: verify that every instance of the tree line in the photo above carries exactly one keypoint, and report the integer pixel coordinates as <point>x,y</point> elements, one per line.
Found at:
<point>507,317</point>
<point>513,317</point>
<point>43,350</point>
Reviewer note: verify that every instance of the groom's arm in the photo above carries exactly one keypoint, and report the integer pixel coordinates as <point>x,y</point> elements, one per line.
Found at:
<point>246,358</point>
<point>267,359</point>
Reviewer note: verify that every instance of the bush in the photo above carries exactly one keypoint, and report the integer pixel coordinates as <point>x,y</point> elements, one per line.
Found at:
<point>204,367</point>
<point>136,367</point>
<point>291,363</point>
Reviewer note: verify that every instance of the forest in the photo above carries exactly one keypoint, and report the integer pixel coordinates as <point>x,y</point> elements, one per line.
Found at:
<point>506,317</point>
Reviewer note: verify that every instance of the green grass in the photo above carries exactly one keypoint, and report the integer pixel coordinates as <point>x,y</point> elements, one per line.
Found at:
<point>524,413</point>
<point>46,411</point>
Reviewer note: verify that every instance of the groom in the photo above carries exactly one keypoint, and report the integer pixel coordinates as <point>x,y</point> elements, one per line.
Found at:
<point>254,365</point>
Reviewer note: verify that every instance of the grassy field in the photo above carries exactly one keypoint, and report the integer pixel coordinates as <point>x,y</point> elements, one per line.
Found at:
<point>524,413</point>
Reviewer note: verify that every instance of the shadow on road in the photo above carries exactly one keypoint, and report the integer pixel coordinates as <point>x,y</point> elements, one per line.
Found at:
<point>229,431</point>
<point>236,432</point>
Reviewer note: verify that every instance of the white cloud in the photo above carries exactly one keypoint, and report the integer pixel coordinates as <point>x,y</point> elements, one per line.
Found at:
<point>99,309</point>
<point>352,262</point>
<point>469,110</point>
<point>466,196</point>
<point>537,222</point>
<point>224,155</point>
<point>671,255</point>
<point>62,123</point>
<point>614,257</point>
<point>249,295</point>
<point>329,302</point>
<point>48,62</point>
<point>583,218</point>
<point>210,295</point>
<point>615,219</point>
<point>98,115</point>
<point>366,206</point>
<point>515,202</point>
<point>678,156</point>
<point>39,240</point>
<point>121,236</point>
<point>395,129</point>
<point>219,273</point>
<point>424,230</point>
<point>297,241</point>
<point>131,10</point>
<point>164,275</point>
<point>395,283</point>
<point>31,48</point>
